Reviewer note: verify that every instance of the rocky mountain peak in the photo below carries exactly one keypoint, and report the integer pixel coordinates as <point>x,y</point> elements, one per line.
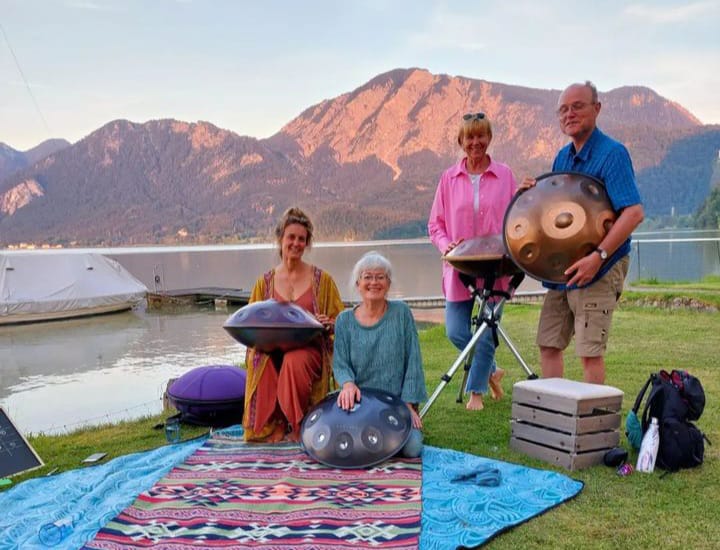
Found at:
<point>364,164</point>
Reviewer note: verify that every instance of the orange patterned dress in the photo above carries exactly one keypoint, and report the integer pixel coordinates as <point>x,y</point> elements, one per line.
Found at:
<point>281,388</point>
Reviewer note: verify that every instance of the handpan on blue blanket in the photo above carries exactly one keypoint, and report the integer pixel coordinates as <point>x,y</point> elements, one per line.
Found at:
<point>552,225</point>
<point>375,429</point>
<point>271,326</point>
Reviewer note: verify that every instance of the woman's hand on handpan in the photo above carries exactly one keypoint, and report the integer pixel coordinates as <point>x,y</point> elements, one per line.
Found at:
<point>326,322</point>
<point>452,245</point>
<point>349,394</point>
<point>526,184</point>
<point>416,420</point>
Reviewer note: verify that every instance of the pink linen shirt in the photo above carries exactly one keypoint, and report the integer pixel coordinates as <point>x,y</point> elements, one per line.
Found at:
<point>457,213</point>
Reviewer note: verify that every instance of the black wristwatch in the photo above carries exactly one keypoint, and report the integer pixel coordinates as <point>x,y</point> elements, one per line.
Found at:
<point>603,253</point>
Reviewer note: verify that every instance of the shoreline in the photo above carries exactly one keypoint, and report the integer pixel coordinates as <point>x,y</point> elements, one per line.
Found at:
<point>120,341</point>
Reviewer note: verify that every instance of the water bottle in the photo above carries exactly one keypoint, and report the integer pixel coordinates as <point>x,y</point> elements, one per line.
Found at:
<point>172,430</point>
<point>649,448</point>
<point>52,534</point>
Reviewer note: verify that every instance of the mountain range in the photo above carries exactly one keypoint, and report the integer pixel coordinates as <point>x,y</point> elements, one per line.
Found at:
<point>12,161</point>
<point>364,165</point>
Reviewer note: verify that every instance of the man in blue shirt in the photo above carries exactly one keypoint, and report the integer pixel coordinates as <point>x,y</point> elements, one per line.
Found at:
<point>584,305</point>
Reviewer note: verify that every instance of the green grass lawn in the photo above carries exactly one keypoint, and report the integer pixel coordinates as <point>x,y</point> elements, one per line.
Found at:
<point>699,294</point>
<point>639,511</point>
<point>680,510</point>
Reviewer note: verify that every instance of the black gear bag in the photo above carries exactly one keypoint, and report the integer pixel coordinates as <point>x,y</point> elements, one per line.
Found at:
<point>676,399</point>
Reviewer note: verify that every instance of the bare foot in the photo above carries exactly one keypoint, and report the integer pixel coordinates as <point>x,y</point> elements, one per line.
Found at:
<point>278,433</point>
<point>475,403</point>
<point>495,387</point>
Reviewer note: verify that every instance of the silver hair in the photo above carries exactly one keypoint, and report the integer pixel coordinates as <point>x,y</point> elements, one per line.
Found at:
<point>370,260</point>
<point>587,84</point>
<point>593,91</point>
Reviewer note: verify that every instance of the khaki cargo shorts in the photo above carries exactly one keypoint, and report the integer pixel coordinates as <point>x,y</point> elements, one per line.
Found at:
<point>585,312</point>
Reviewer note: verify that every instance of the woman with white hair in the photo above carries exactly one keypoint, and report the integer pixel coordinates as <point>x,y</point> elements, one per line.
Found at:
<point>376,346</point>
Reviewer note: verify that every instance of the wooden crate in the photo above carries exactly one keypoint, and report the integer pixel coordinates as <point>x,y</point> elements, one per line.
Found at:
<point>562,441</point>
<point>567,396</point>
<point>570,461</point>
<point>564,422</point>
<point>598,421</point>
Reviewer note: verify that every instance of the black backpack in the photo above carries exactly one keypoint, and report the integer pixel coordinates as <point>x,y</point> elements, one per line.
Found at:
<point>675,399</point>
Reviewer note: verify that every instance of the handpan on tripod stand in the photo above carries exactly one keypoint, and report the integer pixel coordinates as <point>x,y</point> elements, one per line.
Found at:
<point>482,257</point>
<point>553,224</point>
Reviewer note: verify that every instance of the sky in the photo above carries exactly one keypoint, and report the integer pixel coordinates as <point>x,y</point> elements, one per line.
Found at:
<point>68,67</point>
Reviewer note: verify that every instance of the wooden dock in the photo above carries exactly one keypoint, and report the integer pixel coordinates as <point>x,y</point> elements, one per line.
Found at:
<point>198,297</point>
<point>239,297</point>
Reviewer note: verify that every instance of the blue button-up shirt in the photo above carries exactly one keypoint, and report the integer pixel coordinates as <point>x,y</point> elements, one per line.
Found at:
<point>609,161</point>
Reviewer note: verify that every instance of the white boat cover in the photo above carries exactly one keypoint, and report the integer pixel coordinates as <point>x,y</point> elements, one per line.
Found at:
<point>38,285</point>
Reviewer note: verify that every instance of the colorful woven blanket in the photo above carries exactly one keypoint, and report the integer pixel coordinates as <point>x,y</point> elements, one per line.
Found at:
<point>229,494</point>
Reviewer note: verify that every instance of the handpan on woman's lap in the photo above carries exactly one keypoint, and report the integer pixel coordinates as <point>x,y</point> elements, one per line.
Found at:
<point>272,326</point>
<point>278,395</point>
<point>377,427</point>
<point>376,348</point>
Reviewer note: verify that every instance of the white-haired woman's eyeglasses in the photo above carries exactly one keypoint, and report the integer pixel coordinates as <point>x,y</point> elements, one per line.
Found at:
<point>377,277</point>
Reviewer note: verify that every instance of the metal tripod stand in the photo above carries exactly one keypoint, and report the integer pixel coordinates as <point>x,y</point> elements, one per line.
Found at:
<point>487,318</point>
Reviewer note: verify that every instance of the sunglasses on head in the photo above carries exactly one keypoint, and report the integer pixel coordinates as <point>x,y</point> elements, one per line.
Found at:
<point>474,116</point>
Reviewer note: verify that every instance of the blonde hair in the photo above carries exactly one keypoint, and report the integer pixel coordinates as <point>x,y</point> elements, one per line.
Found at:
<point>474,127</point>
<point>290,216</point>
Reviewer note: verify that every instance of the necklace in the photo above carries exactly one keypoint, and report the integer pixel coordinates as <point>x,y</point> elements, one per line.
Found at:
<point>289,277</point>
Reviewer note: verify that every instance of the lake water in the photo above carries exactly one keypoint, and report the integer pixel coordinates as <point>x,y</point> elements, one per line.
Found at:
<point>58,376</point>
<point>61,375</point>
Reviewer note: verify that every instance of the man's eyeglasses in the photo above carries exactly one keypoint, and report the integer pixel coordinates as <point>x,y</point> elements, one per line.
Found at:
<point>574,107</point>
<point>474,116</point>
<point>378,277</point>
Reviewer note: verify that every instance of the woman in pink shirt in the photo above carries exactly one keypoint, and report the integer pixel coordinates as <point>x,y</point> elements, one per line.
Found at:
<point>470,201</point>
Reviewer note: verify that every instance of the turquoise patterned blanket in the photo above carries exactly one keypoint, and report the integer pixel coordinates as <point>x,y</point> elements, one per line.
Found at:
<point>467,499</point>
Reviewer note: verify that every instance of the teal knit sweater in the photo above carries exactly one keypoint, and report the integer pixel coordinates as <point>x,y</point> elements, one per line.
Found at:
<point>384,356</point>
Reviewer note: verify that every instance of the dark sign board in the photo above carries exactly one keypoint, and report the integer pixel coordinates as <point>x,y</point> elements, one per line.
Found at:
<point>16,454</point>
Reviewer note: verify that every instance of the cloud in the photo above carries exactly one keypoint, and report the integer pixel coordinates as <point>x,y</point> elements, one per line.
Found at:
<point>658,14</point>
<point>88,5</point>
